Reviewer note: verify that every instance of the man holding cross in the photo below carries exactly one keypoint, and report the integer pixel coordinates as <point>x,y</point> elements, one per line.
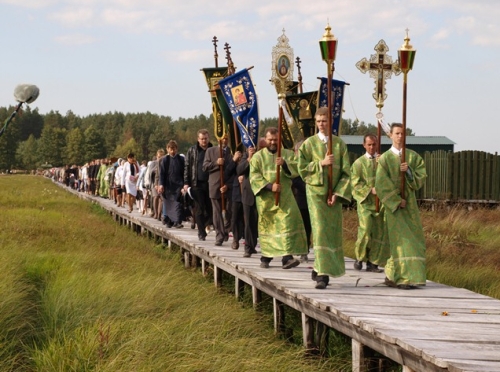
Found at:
<point>325,213</point>
<point>405,269</point>
<point>281,231</point>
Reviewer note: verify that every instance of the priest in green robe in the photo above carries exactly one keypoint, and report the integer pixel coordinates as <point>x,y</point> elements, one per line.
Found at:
<point>326,215</point>
<point>370,247</point>
<point>280,227</point>
<point>405,269</point>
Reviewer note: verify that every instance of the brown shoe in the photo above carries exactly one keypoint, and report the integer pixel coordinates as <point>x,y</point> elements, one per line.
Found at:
<point>235,245</point>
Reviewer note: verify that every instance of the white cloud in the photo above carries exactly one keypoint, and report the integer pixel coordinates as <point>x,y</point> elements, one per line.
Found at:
<point>74,17</point>
<point>75,39</point>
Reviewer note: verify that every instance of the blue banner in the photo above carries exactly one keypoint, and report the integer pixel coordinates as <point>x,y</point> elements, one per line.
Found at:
<point>239,93</point>
<point>337,98</point>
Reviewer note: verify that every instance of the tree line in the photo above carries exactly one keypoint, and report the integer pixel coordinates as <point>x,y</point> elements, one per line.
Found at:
<point>35,140</point>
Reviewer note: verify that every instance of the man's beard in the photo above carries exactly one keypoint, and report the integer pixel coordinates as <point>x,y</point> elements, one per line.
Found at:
<point>272,148</point>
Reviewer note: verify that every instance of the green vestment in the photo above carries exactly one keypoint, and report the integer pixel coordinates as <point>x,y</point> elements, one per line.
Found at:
<point>370,245</point>
<point>103,182</point>
<point>404,228</point>
<point>281,230</point>
<point>326,221</point>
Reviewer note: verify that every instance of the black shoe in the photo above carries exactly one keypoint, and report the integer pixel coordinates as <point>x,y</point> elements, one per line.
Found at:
<point>405,286</point>
<point>389,283</point>
<point>177,225</point>
<point>219,242</point>
<point>202,237</point>
<point>292,262</point>
<point>193,225</point>
<point>320,285</point>
<point>314,275</point>
<point>358,265</point>
<point>247,254</point>
<point>226,237</point>
<point>373,268</point>
<point>264,265</point>
<point>250,250</point>
<point>169,225</point>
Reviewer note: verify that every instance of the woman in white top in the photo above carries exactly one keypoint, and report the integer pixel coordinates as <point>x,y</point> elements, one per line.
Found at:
<point>129,179</point>
<point>118,183</point>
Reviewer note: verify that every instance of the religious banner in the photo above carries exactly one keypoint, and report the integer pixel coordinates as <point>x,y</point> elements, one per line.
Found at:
<point>241,98</point>
<point>303,108</point>
<point>212,76</point>
<point>337,99</point>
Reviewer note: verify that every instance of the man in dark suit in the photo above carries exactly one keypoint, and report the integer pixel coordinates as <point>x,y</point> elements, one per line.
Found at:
<point>248,201</point>
<point>215,157</point>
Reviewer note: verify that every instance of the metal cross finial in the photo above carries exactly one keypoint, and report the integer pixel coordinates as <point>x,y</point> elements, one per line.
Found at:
<point>380,67</point>
<point>299,74</point>
<point>216,55</point>
<point>230,64</point>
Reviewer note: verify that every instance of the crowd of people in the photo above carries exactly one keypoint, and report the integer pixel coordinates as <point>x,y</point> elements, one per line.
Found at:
<point>285,201</point>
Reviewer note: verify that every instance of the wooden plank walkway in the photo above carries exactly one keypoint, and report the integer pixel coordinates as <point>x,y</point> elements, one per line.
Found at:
<point>435,328</point>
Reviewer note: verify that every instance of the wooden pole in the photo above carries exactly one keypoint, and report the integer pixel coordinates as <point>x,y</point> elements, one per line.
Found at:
<point>403,150</point>
<point>278,153</point>
<point>221,169</point>
<point>329,145</point>
<point>379,146</point>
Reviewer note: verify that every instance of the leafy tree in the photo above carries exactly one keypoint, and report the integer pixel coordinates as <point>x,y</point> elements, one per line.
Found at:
<point>30,123</point>
<point>131,146</point>
<point>52,146</point>
<point>94,144</point>
<point>27,154</point>
<point>75,143</point>
<point>54,120</point>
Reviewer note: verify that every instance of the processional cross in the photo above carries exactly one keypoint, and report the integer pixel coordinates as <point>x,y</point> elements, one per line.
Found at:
<point>380,67</point>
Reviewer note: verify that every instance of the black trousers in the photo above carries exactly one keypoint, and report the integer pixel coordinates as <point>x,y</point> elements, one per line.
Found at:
<point>251,224</point>
<point>203,207</point>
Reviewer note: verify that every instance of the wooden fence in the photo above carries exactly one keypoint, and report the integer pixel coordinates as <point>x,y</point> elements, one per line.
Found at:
<point>465,176</point>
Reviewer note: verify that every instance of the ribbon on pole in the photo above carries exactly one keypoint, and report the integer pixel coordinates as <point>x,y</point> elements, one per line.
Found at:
<point>337,101</point>
<point>239,94</point>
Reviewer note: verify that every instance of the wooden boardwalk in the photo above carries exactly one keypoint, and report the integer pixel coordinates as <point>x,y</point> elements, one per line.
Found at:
<point>435,328</point>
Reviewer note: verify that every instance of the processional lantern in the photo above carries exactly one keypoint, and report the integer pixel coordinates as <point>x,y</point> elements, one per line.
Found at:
<point>328,46</point>
<point>406,56</point>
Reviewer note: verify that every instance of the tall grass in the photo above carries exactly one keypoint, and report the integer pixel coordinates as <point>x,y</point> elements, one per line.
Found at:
<point>463,246</point>
<point>78,292</point>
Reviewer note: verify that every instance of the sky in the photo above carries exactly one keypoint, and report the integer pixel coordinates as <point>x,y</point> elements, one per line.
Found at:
<point>98,56</point>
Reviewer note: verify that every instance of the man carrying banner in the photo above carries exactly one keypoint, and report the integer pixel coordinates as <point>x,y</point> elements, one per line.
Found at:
<point>370,246</point>
<point>325,213</point>
<point>211,165</point>
<point>405,269</point>
<point>281,231</point>
<point>197,179</point>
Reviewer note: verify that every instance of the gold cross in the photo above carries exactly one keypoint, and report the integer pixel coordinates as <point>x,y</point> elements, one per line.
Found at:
<point>381,68</point>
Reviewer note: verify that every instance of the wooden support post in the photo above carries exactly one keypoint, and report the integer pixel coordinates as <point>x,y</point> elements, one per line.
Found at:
<point>358,357</point>
<point>217,276</point>
<point>308,332</point>
<point>204,267</point>
<point>187,260</point>
<point>239,287</point>
<point>194,260</point>
<point>321,337</point>
<point>256,297</point>
<point>279,317</point>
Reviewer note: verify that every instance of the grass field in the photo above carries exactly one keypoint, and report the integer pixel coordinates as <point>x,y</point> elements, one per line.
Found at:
<point>78,292</point>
